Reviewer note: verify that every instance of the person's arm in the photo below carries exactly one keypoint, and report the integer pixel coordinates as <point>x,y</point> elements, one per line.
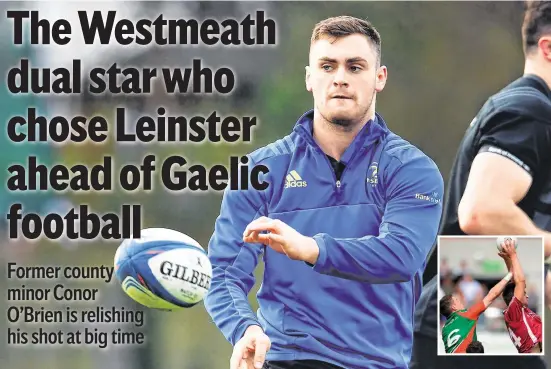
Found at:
<point>233,263</point>
<point>489,204</point>
<point>496,290</point>
<point>518,277</point>
<point>406,235</point>
<point>518,273</point>
<point>481,306</point>
<point>500,176</point>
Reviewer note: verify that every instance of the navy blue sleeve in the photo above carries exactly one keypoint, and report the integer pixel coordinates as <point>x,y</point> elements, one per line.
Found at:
<point>233,264</point>
<point>407,232</point>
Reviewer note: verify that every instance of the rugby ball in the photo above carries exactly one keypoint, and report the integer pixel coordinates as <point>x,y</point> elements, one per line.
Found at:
<point>501,240</point>
<point>163,269</point>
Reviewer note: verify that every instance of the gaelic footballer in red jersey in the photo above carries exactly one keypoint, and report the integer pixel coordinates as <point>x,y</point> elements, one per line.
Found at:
<point>523,325</point>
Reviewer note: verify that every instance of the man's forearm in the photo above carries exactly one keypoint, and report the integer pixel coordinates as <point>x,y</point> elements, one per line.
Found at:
<point>518,273</point>
<point>500,286</point>
<point>500,218</point>
<point>496,290</point>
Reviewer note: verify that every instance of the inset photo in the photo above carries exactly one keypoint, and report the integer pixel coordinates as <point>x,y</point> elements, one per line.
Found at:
<point>491,295</point>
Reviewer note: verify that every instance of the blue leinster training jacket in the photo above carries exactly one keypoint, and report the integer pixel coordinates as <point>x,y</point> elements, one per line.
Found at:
<point>374,227</point>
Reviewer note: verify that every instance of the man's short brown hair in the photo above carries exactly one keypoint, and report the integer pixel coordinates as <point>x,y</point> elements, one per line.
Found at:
<point>446,305</point>
<point>344,25</point>
<point>537,22</point>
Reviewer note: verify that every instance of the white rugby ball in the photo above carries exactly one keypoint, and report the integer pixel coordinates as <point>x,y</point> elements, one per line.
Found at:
<point>500,240</point>
<point>163,269</point>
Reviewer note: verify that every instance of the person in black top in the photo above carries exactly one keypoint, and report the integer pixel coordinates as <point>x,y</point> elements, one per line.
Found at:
<point>500,183</point>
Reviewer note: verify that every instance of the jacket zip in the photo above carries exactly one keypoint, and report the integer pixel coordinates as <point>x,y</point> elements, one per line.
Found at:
<point>318,149</point>
<point>338,182</point>
<point>335,180</point>
<point>359,152</point>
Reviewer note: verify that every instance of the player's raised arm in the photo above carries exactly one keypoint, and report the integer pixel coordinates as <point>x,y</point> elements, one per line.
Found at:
<point>500,177</point>
<point>496,290</point>
<point>477,309</point>
<point>518,273</point>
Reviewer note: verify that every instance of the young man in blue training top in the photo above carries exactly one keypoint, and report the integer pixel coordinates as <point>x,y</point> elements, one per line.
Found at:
<point>349,217</point>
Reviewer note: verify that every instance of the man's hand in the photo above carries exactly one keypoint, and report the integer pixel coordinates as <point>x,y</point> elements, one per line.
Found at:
<point>508,248</point>
<point>282,238</point>
<point>250,351</point>
<point>507,260</point>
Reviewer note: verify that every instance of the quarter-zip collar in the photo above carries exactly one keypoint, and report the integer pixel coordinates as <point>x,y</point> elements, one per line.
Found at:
<point>373,130</point>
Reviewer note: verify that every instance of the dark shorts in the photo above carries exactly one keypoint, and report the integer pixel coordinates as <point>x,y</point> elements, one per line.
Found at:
<point>299,364</point>
<point>424,357</point>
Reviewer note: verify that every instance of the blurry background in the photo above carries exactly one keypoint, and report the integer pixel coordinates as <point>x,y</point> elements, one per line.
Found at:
<point>470,267</point>
<point>444,60</point>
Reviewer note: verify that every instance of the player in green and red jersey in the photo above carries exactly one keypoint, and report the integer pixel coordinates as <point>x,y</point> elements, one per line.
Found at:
<point>460,328</point>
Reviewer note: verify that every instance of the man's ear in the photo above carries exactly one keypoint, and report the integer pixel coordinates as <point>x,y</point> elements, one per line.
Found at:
<point>382,75</point>
<point>544,44</point>
<point>307,78</point>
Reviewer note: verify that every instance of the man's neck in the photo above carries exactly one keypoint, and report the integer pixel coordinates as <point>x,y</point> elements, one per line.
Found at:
<point>334,139</point>
<point>536,68</point>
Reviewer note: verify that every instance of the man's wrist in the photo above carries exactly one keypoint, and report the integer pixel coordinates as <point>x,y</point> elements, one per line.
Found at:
<point>243,329</point>
<point>253,328</point>
<point>312,251</point>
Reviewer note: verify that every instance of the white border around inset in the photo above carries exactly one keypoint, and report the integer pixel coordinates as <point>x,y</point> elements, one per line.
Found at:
<point>541,302</point>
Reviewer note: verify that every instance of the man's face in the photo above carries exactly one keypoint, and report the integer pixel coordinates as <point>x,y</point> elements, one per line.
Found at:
<point>343,77</point>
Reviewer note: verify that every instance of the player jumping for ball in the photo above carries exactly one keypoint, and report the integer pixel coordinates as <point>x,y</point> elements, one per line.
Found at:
<point>523,325</point>
<point>460,328</point>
